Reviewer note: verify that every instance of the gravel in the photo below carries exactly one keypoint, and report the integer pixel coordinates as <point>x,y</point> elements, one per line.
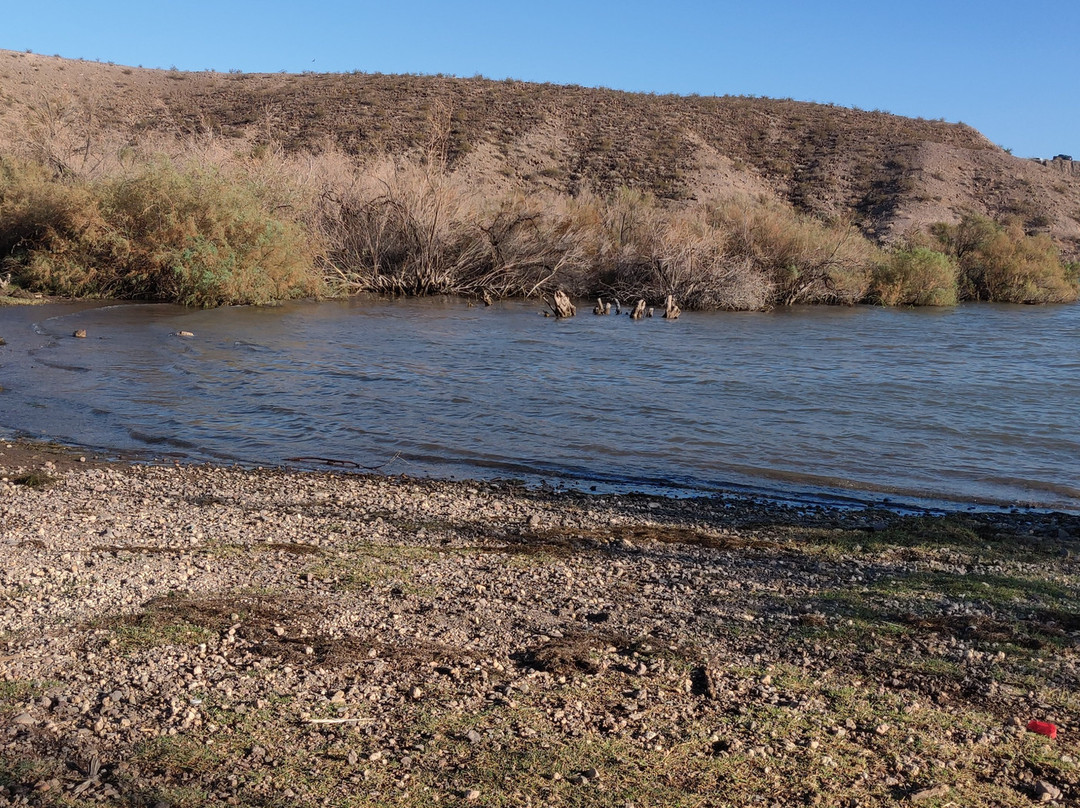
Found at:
<point>334,635</point>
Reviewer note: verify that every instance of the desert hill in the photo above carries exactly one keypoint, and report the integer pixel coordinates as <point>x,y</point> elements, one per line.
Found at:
<point>887,174</point>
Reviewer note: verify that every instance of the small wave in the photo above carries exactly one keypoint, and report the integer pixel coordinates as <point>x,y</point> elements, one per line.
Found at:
<point>61,366</point>
<point>161,440</point>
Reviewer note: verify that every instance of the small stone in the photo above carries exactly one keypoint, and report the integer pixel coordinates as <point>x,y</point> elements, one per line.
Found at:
<point>590,774</point>
<point>1047,791</point>
<point>80,333</point>
<point>473,736</point>
<point>471,795</point>
<point>931,793</point>
<point>415,693</point>
<point>23,719</point>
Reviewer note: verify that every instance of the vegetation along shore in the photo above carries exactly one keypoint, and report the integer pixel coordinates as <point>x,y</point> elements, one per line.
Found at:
<point>217,188</point>
<point>192,636</point>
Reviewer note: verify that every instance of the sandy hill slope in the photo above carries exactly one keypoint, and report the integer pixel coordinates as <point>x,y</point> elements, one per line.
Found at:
<point>886,173</point>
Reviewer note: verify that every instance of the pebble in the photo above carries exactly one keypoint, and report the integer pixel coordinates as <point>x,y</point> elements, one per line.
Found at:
<point>1047,791</point>
<point>928,794</point>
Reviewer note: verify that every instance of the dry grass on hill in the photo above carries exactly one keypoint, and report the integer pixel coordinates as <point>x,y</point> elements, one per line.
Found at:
<point>421,184</point>
<point>885,172</point>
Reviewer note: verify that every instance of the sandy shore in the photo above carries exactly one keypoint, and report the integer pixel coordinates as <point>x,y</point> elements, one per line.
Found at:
<point>187,636</point>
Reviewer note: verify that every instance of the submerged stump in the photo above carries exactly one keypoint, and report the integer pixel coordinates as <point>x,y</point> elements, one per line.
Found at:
<point>639,311</point>
<point>671,311</point>
<point>561,305</point>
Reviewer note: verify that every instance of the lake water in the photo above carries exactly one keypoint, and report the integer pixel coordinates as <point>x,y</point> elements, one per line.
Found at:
<point>972,404</point>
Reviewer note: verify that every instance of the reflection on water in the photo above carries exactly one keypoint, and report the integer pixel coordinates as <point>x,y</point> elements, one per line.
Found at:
<point>977,403</point>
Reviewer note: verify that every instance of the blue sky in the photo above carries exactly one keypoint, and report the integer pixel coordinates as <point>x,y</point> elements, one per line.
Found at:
<point>1009,69</point>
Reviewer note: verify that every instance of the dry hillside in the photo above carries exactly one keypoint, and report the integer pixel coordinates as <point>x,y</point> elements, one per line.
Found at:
<point>886,173</point>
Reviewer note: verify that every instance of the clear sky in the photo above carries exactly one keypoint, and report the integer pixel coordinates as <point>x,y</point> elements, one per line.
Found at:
<point>1008,68</point>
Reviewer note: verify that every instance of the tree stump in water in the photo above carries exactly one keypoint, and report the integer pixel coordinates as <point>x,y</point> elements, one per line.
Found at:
<point>561,305</point>
<point>599,307</point>
<point>639,311</point>
<point>671,311</point>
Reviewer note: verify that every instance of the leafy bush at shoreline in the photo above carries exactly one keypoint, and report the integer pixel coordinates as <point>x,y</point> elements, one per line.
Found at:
<point>1001,263</point>
<point>916,276</point>
<point>211,227</point>
<point>185,236</point>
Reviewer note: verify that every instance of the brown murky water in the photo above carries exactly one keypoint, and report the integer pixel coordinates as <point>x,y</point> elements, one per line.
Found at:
<point>973,404</point>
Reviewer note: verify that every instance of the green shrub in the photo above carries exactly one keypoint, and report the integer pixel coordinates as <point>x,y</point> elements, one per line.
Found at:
<point>915,276</point>
<point>38,213</point>
<point>183,236</point>
<point>1001,263</point>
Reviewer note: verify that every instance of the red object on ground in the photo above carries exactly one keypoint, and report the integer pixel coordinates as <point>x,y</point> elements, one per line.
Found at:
<point>1043,728</point>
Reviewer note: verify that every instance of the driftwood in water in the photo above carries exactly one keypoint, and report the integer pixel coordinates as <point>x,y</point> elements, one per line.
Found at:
<point>671,311</point>
<point>649,313</point>
<point>618,307</point>
<point>561,305</point>
<point>599,308</point>
<point>639,311</point>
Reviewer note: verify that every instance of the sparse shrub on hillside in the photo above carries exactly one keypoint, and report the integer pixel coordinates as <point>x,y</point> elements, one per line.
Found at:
<point>1001,263</point>
<point>915,276</point>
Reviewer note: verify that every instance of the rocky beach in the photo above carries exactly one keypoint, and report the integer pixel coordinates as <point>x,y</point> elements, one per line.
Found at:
<point>177,635</point>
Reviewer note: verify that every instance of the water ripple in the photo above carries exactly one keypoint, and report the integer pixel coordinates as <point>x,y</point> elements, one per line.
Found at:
<point>979,403</point>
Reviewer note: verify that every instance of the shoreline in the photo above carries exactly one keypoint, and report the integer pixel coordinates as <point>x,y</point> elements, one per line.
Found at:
<point>202,635</point>
<point>33,455</point>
